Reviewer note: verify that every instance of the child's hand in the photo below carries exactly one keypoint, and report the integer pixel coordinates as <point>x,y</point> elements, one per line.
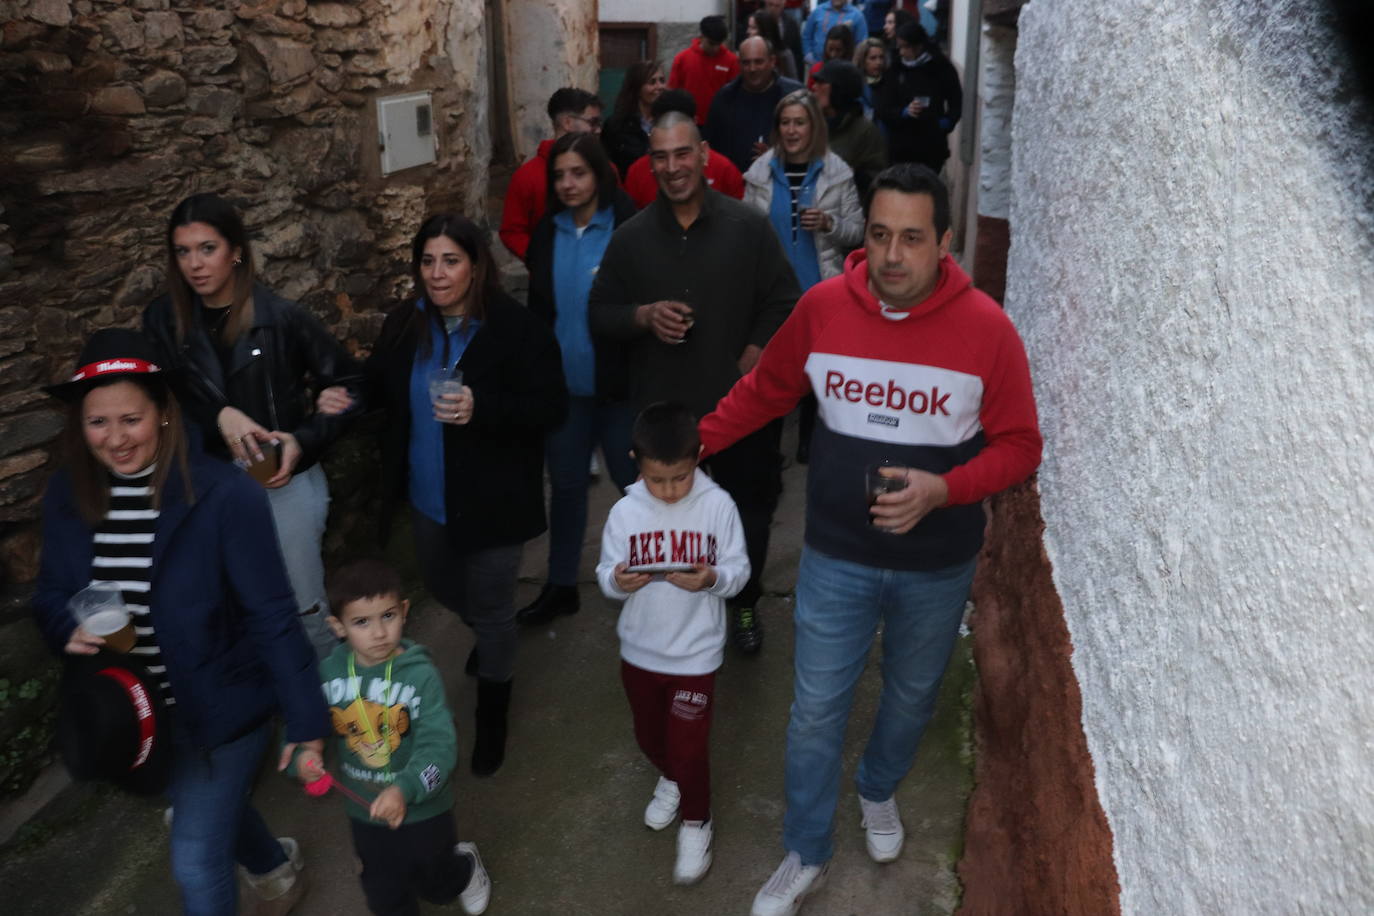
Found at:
<point>289,749</point>
<point>390,807</point>
<point>309,765</point>
<point>701,577</point>
<point>628,581</point>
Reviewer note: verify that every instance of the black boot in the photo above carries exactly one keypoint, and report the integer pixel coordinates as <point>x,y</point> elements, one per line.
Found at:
<point>489,746</point>
<point>552,601</point>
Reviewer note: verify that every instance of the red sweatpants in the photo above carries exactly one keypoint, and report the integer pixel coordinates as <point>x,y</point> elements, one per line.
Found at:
<point>672,715</point>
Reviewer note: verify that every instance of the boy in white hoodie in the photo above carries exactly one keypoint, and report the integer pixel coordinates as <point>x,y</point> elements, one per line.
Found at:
<point>673,551</point>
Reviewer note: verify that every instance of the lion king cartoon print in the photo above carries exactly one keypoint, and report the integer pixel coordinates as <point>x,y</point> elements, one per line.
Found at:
<point>356,730</point>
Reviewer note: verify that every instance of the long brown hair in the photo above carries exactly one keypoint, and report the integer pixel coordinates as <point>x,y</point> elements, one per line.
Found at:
<point>217,213</point>
<point>486,283</point>
<point>636,75</point>
<point>91,479</point>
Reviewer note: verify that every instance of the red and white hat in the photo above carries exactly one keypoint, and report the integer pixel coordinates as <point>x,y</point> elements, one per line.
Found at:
<point>110,353</point>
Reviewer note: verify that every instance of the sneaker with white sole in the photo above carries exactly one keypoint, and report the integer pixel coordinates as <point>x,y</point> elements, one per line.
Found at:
<point>693,852</point>
<point>790,885</point>
<point>662,808</point>
<point>477,894</point>
<point>883,831</point>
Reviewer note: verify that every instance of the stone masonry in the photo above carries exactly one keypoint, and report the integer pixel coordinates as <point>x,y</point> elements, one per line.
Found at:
<point>112,112</point>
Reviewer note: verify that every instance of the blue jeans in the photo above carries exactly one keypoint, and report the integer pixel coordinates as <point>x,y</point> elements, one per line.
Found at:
<point>215,825</point>
<point>839,607</point>
<point>568,450</point>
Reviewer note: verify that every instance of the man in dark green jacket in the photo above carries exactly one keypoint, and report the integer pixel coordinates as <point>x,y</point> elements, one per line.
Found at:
<point>697,283</point>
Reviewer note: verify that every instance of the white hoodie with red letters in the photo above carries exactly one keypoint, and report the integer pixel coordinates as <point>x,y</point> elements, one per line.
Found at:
<point>662,627</point>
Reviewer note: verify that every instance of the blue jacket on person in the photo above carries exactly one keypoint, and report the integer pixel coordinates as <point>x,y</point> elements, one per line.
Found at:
<point>824,18</point>
<point>222,607</point>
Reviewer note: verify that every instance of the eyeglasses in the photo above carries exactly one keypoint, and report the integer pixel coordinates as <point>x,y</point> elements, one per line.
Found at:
<point>593,124</point>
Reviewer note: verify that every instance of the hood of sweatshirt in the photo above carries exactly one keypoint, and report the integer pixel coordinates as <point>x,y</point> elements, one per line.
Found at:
<point>952,283</point>
<point>701,483</point>
<point>411,654</point>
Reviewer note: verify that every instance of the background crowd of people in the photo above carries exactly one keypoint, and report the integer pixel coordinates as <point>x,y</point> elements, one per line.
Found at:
<point>650,294</point>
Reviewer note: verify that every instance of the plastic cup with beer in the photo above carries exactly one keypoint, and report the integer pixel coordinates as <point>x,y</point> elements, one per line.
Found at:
<point>100,610</point>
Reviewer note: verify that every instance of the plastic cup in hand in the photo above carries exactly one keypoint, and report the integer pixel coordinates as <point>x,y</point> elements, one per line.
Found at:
<point>264,470</point>
<point>100,610</point>
<point>442,382</point>
<point>876,483</point>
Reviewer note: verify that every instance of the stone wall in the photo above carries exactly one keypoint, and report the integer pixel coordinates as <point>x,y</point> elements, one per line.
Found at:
<point>112,112</point>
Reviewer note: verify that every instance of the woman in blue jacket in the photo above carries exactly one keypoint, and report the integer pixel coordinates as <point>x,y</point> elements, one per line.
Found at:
<point>191,542</point>
<point>564,255</point>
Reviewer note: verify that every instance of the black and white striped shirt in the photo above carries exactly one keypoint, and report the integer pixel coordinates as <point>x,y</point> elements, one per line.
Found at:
<point>123,554</point>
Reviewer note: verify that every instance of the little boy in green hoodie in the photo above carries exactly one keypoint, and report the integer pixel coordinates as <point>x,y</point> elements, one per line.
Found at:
<point>396,747</point>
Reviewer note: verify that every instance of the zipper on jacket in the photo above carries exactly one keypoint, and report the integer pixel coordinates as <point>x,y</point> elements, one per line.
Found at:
<point>257,353</point>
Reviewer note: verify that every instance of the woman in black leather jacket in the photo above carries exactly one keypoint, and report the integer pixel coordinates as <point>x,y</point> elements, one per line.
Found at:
<point>249,362</point>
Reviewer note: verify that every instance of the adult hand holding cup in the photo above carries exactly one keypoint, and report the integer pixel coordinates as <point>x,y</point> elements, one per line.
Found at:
<point>880,478</point>
<point>100,612</point>
<point>450,398</point>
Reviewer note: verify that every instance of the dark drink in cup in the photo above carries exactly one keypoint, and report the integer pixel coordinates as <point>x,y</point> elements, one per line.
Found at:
<point>113,625</point>
<point>877,483</point>
<point>264,470</point>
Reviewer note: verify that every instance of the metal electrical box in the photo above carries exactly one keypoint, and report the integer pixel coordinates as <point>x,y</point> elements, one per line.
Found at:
<point>405,127</point>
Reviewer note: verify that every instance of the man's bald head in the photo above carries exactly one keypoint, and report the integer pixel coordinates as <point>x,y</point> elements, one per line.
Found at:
<point>672,119</point>
<point>756,64</point>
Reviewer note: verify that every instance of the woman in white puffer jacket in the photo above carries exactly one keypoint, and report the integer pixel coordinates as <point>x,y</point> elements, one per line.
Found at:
<point>809,196</point>
<point>806,191</point>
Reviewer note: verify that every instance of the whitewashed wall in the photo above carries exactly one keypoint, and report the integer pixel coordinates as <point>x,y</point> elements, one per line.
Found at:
<point>1192,270</point>
<point>549,44</point>
<point>661,10</point>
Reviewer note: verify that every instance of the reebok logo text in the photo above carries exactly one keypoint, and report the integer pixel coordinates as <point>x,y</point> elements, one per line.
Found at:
<point>892,396</point>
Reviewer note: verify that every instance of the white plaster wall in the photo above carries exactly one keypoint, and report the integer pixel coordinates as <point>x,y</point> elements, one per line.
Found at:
<point>1192,270</point>
<point>996,93</point>
<point>549,44</point>
<point>661,10</point>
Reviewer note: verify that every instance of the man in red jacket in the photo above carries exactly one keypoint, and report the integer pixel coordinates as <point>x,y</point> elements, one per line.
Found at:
<point>926,407</point>
<point>721,174</point>
<point>569,110</point>
<point>705,66</point>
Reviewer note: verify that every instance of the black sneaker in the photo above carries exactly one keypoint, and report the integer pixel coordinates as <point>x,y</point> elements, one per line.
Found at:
<point>748,630</point>
<point>552,601</point>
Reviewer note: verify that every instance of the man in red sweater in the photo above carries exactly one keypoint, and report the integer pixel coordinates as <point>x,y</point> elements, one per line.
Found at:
<point>922,381</point>
<point>705,66</point>
<point>721,174</point>
<point>569,110</point>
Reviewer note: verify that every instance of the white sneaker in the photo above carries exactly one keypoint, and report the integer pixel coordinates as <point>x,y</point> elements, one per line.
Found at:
<point>693,852</point>
<point>882,829</point>
<point>662,808</point>
<point>477,894</point>
<point>788,888</point>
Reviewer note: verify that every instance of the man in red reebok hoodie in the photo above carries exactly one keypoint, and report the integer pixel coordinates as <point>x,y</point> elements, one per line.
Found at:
<point>918,372</point>
<point>569,110</point>
<point>705,66</point>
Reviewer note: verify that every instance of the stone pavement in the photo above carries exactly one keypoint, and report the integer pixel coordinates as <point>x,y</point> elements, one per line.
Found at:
<point>559,826</point>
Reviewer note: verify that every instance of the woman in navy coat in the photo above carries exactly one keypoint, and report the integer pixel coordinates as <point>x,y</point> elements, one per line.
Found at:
<point>190,542</point>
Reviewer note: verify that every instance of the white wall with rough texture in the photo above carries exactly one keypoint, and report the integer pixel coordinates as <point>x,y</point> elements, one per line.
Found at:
<point>549,44</point>
<point>996,93</point>
<point>1192,270</point>
<point>661,10</point>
